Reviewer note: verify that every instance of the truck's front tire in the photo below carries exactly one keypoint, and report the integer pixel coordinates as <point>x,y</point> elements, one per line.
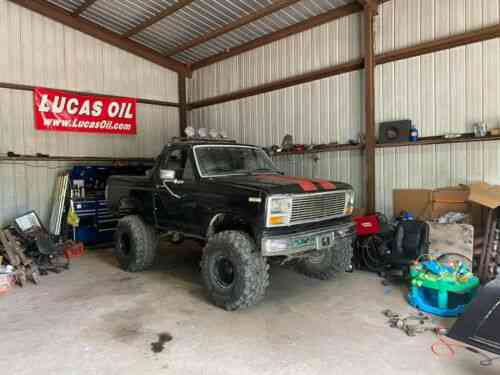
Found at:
<point>136,244</point>
<point>234,273</point>
<point>326,264</point>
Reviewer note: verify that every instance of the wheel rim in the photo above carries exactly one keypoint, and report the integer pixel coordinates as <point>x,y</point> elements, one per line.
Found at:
<point>224,272</point>
<point>125,244</point>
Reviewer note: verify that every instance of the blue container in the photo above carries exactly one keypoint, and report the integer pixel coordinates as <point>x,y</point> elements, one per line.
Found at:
<point>413,134</point>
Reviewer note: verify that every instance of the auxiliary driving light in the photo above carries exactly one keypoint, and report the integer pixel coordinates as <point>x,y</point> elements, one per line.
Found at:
<point>203,132</point>
<point>190,132</point>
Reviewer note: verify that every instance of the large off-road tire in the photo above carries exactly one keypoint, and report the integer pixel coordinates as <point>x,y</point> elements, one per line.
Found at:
<point>326,264</point>
<point>234,272</point>
<point>136,244</point>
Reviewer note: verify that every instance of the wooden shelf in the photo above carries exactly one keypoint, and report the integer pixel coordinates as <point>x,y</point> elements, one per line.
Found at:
<point>332,148</point>
<point>74,159</point>
<point>440,140</point>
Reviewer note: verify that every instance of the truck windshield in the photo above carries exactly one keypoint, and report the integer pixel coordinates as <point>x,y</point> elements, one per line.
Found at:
<point>229,160</point>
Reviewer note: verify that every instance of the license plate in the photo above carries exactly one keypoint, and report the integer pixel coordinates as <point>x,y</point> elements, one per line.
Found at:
<point>302,242</point>
<point>324,241</point>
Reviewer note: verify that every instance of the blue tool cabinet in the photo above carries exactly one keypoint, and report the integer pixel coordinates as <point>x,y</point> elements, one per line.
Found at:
<point>97,223</point>
<point>88,184</point>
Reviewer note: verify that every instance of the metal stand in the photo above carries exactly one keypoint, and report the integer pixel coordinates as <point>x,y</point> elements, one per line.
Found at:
<point>488,262</point>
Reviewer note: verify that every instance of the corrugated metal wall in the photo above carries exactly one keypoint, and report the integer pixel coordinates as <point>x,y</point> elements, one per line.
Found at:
<point>443,92</point>
<point>318,112</point>
<point>37,51</point>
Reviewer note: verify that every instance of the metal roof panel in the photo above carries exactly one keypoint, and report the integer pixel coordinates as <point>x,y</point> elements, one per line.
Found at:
<point>194,20</point>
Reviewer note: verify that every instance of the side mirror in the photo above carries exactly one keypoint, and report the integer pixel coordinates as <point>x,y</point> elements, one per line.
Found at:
<point>167,175</point>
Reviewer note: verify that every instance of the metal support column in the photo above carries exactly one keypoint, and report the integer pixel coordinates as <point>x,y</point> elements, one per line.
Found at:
<point>182,104</point>
<point>369,61</point>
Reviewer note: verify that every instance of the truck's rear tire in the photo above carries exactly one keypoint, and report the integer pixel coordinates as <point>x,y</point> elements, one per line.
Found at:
<point>234,273</point>
<point>326,264</point>
<point>136,244</point>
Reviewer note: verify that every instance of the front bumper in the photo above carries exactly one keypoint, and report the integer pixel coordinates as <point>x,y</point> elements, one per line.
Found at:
<point>305,241</point>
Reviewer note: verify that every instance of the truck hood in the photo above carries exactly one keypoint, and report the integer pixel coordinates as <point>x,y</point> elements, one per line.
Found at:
<point>279,184</point>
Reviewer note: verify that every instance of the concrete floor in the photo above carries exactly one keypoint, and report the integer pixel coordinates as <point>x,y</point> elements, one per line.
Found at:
<point>97,319</point>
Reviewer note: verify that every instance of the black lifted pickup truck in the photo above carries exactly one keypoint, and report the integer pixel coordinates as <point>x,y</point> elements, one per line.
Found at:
<point>245,212</point>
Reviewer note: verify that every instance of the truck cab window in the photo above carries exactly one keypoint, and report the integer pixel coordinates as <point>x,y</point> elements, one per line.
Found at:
<point>176,161</point>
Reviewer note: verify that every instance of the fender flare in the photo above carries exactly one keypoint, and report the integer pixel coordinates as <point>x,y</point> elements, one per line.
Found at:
<point>229,220</point>
<point>130,202</point>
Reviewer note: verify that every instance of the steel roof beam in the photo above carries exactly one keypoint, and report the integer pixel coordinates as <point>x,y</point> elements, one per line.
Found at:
<point>86,4</point>
<point>487,33</point>
<point>151,21</point>
<point>328,16</point>
<point>262,12</point>
<point>368,3</point>
<point>60,15</point>
<point>321,19</point>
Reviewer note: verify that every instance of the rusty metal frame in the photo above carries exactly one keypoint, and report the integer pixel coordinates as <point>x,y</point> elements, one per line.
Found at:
<point>22,87</point>
<point>167,60</point>
<point>487,33</point>
<point>328,16</point>
<point>86,4</point>
<point>157,18</point>
<point>242,21</point>
<point>369,102</point>
<point>69,19</point>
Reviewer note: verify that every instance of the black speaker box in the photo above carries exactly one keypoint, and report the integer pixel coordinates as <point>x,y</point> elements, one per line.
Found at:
<point>394,131</point>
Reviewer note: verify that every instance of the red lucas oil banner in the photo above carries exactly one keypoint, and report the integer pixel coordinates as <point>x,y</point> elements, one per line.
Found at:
<point>57,110</point>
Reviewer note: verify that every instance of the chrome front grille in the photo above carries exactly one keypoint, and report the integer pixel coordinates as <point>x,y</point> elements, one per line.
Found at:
<point>320,206</point>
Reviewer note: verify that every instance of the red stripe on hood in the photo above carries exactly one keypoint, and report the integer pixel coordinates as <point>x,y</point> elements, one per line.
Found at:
<point>305,184</point>
<point>325,184</point>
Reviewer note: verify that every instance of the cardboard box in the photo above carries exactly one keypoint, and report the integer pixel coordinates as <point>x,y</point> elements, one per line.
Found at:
<point>450,199</point>
<point>427,204</point>
<point>451,195</point>
<point>485,194</point>
<point>416,201</point>
<point>495,131</point>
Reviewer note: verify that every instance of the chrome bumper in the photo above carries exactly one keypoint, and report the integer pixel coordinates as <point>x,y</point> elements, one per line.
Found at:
<point>305,241</point>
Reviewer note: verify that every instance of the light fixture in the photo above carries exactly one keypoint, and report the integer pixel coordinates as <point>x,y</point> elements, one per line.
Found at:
<point>214,133</point>
<point>203,132</point>
<point>190,132</point>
